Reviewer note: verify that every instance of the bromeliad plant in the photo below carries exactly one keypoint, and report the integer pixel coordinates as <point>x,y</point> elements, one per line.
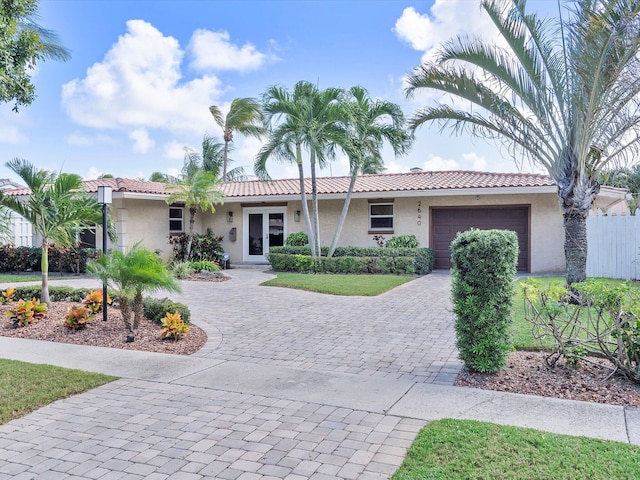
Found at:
<point>173,327</point>
<point>93,301</point>
<point>592,318</point>
<point>78,317</point>
<point>26,312</point>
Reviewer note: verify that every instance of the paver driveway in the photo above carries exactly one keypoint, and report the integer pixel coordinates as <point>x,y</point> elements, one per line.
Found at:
<point>291,385</point>
<point>405,334</point>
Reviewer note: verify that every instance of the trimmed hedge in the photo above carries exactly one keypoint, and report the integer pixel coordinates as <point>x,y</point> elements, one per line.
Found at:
<point>482,279</point>
<point>353,260</point>
<point>21,259</point>
<point>56,293</point>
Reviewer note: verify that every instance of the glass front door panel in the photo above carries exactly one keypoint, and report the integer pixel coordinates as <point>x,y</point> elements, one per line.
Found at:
<point>255,234</point>
<point>276,229</point>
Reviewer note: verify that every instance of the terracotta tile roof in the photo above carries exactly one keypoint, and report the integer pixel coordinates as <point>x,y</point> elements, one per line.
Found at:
<point>391,182</point>
<point>386,182</point>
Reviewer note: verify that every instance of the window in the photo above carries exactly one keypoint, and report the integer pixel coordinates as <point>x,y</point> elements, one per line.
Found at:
<point>381,217</point>
<point>176,223</point>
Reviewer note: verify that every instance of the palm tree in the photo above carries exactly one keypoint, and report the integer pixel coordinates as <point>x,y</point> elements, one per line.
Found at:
<point>245,117</point>
<point>310,121</point>
<point>564,95</point>
<point>197,189</point>
<point>368,124</point>
<point>132,274</point>
<point>57,208</point>
<point>24,43</point>
<point>213,160</point>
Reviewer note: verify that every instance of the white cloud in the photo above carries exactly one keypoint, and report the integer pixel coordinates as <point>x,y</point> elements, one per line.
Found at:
<point>174,150</point>
<point>11,134</point>
<point>93,173</point>
<point>214,51</point>
<point>436,163</point>
<point>142,143</point>
<point>82,140</point>
<point>138,84</point>
<point>446,19</point>
<point>467,161</point>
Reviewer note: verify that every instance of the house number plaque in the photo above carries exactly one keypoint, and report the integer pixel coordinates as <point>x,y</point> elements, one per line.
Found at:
<point>419,222</point>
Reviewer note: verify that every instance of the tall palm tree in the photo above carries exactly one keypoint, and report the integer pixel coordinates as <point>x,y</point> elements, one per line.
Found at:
<point>212,159</point>
<point>245,116</point>
<point>57,208</point>
<point>310,121</point>
<point>368,124</point>
<point>197,189</point>
<point>564,95</point>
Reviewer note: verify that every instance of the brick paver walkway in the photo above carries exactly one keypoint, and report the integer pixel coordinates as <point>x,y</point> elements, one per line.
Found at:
<point>138,429</point>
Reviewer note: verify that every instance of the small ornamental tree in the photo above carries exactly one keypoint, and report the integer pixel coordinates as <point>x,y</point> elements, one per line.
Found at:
<point>482,281</point>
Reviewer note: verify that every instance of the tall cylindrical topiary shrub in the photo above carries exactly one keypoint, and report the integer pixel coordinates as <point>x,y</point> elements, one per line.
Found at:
<point>482,276</point>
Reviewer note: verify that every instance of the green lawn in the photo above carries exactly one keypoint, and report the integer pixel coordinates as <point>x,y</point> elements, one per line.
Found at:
<point>460,449</point>
<point>362,285</point>
<point>24,387</point>
<point>10,278</point>
<point>521,329</point>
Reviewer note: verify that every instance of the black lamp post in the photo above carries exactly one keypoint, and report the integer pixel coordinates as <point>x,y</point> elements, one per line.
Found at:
<point>104,199</point>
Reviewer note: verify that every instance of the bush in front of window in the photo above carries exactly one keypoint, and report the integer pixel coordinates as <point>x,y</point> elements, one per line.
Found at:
<point>297,239</point>
<point>403,241</point>
<point>206,246</point>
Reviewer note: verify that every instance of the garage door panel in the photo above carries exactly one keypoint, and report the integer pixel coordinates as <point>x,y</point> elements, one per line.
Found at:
<point>447,222</point>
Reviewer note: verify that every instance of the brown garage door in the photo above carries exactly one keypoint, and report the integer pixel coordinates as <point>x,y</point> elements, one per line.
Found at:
<point>447,222</point>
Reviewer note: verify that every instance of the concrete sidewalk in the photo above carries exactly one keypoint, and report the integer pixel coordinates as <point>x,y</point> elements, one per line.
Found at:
<point>339,394</point>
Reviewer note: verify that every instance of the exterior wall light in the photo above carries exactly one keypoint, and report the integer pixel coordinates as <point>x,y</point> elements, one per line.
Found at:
<point>296,216</point>
<point>230,217</point>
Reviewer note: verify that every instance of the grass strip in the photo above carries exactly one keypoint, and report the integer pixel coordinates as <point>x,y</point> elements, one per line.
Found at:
<point>25,387</point>
<point>451,449</point>
<point>348,285</point>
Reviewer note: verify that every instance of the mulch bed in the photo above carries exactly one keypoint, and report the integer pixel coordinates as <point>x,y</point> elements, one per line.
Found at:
<point>111,333</point>
<point>527,373</point>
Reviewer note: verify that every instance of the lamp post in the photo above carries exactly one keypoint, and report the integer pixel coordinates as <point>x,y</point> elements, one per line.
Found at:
<point>104,199</point>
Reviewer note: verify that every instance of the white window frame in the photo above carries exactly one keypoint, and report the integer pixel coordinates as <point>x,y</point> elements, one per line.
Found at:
<point>172,219</point>
<point>372,216</point>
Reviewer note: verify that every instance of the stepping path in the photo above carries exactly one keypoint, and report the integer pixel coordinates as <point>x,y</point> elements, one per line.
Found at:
<point>291,385</point>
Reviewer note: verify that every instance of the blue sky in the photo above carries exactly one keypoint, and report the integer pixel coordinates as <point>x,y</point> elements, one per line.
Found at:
<point>144,72</point>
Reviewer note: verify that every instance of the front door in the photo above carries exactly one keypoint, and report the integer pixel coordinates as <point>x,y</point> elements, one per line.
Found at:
<point>263,228</point>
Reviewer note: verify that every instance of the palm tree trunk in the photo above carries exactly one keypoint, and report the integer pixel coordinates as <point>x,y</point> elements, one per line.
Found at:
<point>575,246</point>
<point>314,206</point>
<point>343,216</point>
<point>125,310</point>
<point>192,221</point>
<point>225,157</point>
<point>44,267</point>
<point>138,310</point>
<point>305,210</point>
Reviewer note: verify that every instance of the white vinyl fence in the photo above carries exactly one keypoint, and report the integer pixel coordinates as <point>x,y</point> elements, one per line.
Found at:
<point>613,246</point>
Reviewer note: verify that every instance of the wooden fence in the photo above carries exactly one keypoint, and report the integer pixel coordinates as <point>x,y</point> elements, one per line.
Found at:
<point>613,246</point>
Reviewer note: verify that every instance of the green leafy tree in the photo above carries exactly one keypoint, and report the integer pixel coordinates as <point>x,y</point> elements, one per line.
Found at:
<point>563,94</point>
<point>132,274</point>
<point>196,189</point>
<point>23,43</point>
<point>57,208</point>
<point>245,116</point>
<point>308,119</point>
<point>368,124</point>
<point>625,177</point>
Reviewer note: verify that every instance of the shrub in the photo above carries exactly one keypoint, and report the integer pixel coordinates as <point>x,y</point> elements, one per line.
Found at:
<point>94,300</point>
<point>182,270</point>
<point>56,293</point>
<point>424,261</point>
<point>8,295</point>
<point>77,318</point>
<point>297,239</point>
<point>155,309</point>
<point>483,268</point>
<point>21,259</point>
<point>403,241</point>
<point>206,246</point>
<point>204,266</point>
<point>173,327</point>
<point>26,312</point>
<point>594,317</point>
